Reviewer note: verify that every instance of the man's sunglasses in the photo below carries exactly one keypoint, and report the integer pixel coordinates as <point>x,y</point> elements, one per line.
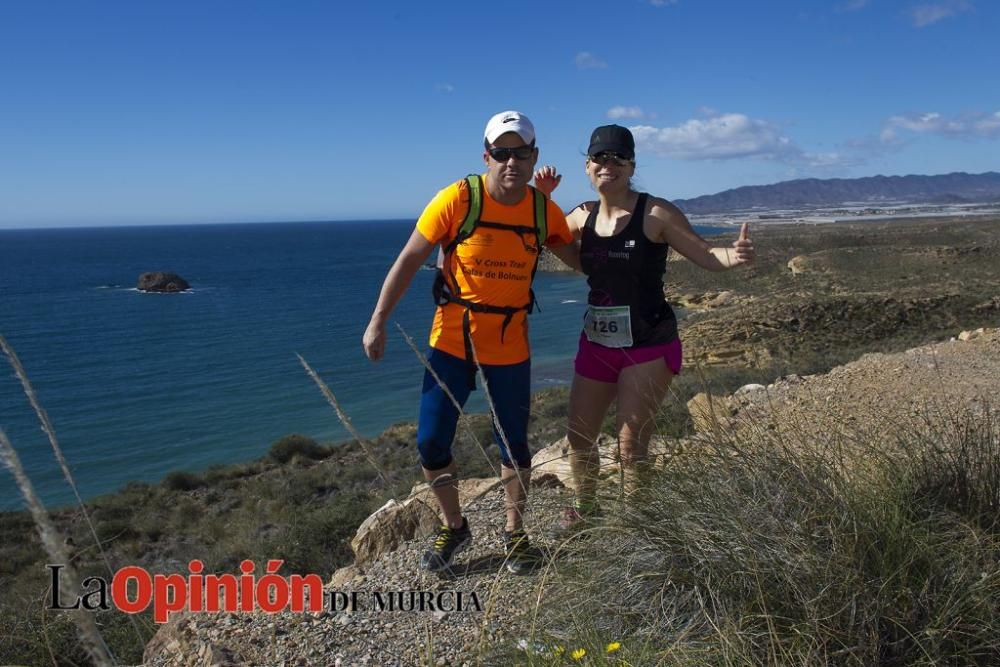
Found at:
<point>503,154</point>
<point>614,158</point>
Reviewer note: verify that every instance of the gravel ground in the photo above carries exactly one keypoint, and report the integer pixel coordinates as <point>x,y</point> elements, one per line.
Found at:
<point>371,637</point>
<point>882,395</point>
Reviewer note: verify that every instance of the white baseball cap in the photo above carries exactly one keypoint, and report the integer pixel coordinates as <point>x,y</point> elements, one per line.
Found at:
<point>510,121</point>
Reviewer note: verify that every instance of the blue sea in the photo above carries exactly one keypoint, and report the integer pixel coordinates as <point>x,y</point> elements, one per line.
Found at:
<point>138,384</point>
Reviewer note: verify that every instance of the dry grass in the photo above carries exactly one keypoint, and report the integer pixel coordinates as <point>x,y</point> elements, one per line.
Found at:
<point>760,548</point>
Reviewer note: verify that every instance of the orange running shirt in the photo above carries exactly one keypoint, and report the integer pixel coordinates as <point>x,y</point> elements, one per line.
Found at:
<point>492,266</point>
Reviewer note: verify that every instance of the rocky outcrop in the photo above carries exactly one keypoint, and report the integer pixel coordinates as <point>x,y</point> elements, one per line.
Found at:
<point>162,281</point>
<point>414,517</point>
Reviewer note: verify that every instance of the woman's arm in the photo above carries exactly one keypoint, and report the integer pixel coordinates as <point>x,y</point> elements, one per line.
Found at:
<point>671,226</point>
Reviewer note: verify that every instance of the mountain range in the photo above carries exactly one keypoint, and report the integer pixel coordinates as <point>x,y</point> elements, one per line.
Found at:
<point>957,187</point>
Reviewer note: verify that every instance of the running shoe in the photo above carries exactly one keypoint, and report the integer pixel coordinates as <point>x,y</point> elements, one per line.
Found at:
<point>447,544</point>
<point>522,557</point>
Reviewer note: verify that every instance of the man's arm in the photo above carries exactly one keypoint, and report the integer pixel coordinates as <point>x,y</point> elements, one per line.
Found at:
<point>413,255</point>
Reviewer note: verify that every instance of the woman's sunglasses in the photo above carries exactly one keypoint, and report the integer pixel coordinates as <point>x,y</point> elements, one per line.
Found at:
<point>503,154</point>
<point>614,158</point>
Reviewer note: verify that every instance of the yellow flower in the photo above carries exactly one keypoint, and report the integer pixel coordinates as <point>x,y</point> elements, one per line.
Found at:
<point>613,646</point>
<point>578,653</point>
<point>558,650</point>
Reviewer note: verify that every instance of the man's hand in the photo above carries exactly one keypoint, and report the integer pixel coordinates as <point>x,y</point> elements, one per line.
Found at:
<point>374,340</point>
<point>547,180</point>
<point>743,246</point>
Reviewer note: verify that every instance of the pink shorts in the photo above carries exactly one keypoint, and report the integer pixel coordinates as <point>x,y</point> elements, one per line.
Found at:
<point>604,364</point>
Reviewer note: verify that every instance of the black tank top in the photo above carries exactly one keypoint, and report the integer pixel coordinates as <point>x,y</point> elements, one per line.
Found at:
<point>627,270</point>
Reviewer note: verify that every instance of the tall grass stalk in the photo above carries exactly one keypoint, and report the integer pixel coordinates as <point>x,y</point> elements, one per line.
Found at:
<point>54,543</point>
<point>505,443</point>
<point>50,432</point>
<point>344,419</point>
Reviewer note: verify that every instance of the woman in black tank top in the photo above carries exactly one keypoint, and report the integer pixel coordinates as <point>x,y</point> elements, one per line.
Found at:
<point>629,350</point>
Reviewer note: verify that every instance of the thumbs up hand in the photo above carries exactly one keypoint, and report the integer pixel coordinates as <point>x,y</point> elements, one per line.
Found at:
<point>743,246</point>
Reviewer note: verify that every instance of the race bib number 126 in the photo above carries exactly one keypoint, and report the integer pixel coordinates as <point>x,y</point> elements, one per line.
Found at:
<point>610,326</point>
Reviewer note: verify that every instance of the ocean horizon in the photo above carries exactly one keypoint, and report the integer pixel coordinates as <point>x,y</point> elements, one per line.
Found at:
<point>138,385</point>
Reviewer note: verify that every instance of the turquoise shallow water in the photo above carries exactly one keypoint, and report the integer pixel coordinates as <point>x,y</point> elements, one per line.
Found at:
<point>140,384</point>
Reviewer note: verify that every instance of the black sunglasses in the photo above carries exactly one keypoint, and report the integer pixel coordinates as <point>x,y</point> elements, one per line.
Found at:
<point>615,158</point>
<point>503,154</point>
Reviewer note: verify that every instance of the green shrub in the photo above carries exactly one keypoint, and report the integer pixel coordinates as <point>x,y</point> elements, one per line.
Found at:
<point>289,446</point>
<point>180,480</point>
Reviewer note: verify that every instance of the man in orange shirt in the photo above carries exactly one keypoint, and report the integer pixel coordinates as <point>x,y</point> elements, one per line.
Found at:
<point>488,227</point>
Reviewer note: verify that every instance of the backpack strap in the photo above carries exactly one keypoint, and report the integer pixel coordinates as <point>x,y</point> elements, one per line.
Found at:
<point>541,217</point>
<point>474,185</point>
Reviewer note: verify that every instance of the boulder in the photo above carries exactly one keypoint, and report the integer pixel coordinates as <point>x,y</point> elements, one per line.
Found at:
<point>391,525</point>
<point>416,516</point>
<point>162,281</point>
<point>708,412</point>
<point>798,265</point>
<point>749,391</point>
<point>972,335</point>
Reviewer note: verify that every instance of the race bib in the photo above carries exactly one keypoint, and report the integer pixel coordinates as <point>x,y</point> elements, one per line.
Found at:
<point>610,326</point>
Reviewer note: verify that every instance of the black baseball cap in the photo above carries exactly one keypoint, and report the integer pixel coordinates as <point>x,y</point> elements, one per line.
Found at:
<point>614,139</point>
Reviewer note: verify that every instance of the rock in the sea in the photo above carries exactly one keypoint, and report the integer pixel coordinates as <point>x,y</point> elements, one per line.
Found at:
<point>162,281</point>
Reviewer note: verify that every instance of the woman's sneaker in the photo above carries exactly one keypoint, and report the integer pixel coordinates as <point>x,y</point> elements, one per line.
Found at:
<point>447,544</point>
<point>522,557</point>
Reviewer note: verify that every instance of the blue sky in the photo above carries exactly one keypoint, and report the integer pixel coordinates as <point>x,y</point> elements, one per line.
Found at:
<point>215,111</point>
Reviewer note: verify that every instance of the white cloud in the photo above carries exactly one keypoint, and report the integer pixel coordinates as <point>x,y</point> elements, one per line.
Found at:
<point>854,5</point>
<point>977,125</point>
<point>444,88</point>
<point>720,137</point>
<point>662,3</point>
<point>587,60</point>
<point>732,136</point>
<point>619,112</point>
<point>925,15</point>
